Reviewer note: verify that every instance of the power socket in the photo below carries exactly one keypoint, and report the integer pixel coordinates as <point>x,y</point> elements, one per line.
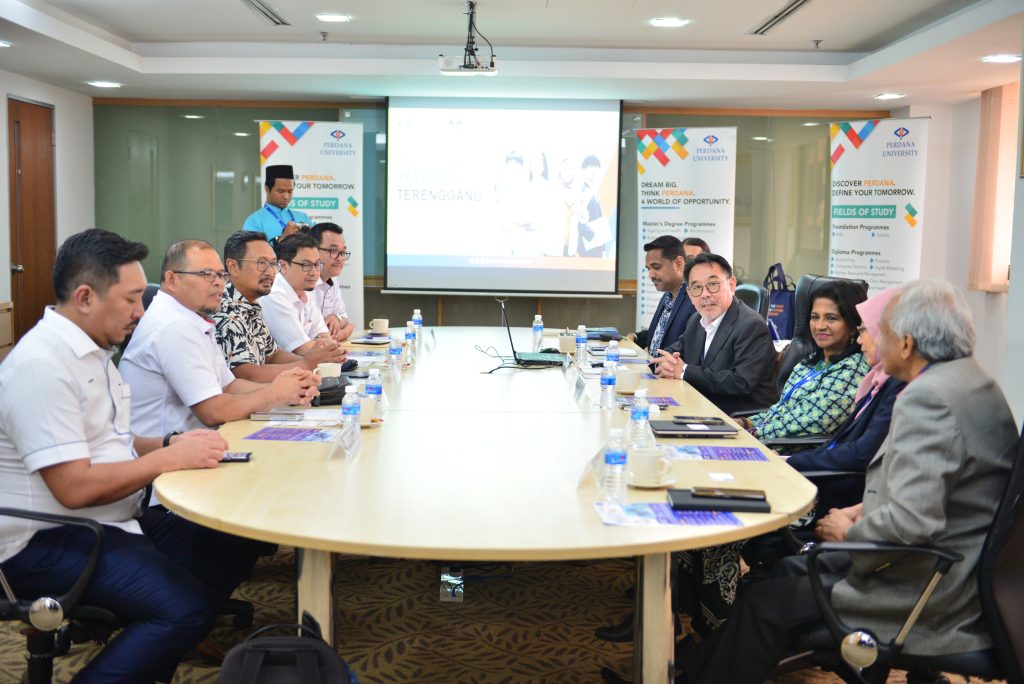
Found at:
<point>451,584</point>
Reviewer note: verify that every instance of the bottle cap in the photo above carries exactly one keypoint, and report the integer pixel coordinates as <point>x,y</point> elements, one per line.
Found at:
<point>408,324</point>
<point>615,432</point>
<point>351,389</point>
<point>581,327</point>
<point>641,393</point>
<point>415,311</point>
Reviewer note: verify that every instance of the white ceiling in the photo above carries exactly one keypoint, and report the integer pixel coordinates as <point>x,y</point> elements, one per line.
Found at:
<point>221,49</point>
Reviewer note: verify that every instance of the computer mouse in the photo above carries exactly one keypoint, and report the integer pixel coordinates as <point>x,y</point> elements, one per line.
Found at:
<point>549,350</point>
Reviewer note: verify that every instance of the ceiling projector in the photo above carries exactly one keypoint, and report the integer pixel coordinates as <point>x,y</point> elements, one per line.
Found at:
<point>469,64</point>
<point>456,66</point>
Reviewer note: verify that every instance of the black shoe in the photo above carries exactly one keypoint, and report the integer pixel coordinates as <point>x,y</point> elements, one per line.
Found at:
<point>623,632</point>
<point>619,633</point>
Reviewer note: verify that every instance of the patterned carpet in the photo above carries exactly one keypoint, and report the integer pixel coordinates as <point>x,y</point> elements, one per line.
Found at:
<point>533,626</point>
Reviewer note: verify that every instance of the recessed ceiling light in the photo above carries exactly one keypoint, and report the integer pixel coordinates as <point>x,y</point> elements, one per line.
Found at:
<point>811,123</point>
<point>890,96</point>
<point>669,22</point>
<point>104,84</point>
<point>333,17</point>
<point>761,138</point>
<point>194,116</point>
<point>240,134</point>
<point>4,43</point>
<point>1001,59</point>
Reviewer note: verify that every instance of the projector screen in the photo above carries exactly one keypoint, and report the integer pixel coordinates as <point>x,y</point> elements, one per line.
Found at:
<point>502,196</point>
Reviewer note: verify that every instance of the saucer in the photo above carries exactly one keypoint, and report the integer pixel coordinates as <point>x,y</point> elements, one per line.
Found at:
<point>666,481</point>
<point>371,424</point>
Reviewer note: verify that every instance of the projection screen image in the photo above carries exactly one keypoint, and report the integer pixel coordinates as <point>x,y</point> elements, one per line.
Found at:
<point>502,195</point>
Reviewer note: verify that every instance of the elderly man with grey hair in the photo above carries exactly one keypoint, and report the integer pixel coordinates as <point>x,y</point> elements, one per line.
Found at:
<point>936,479</point>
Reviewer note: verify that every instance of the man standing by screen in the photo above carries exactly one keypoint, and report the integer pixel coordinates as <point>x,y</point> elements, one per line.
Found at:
<point>274,219</point>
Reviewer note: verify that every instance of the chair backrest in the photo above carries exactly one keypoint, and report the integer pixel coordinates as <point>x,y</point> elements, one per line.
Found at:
<point>148,294</point>
<point>1000,570</point>
<point>754,296</point>
<point>806,288</point>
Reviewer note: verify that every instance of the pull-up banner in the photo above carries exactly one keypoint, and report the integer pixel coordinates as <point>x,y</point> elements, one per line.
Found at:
<point>328,161</point>
<point>686,188</point>
<point>878,172</point>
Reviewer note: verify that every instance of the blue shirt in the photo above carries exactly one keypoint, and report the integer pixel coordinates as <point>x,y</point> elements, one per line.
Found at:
<point>271,221</point>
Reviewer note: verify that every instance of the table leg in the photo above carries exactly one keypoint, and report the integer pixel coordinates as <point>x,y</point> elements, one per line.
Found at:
<point>654,644</point>
<point>314,586</point>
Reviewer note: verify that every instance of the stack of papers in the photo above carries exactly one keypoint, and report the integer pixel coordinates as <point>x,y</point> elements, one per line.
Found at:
<point>654,514</point>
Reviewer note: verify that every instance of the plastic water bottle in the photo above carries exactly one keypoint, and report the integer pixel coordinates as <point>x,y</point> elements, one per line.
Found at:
<point>417,322</point>
<point>608,387</point>
<point>581,344</point>
<point>350,406</point>
<point>410,343</point>
<point>637,434</point>
<point>395,354</point>
<point>613,485</point>
<point>538,333</point>
<point>375,395</point>
<point>611,354</point>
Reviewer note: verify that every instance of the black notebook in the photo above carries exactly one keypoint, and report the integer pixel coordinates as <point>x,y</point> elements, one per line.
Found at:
<point>684,500</point>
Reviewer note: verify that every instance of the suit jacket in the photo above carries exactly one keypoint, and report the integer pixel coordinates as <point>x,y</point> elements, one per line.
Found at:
<point>681,313</point>
<point>937,479</point>
<point>737,373</point>
<point>858,440</point>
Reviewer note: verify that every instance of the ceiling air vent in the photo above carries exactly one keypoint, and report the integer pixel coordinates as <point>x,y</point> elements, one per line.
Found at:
<point>779,17</point>
<point>267,11</point>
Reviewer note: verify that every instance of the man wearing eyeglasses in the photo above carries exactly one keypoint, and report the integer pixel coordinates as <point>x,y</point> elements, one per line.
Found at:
<point>726,352</point>
<point>331,244</point>
<point>242,333</point>
<point>290,308</point>
<point>177,373</point>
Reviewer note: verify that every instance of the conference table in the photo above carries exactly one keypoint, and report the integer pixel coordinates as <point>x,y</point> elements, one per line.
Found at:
<point>471,465</point>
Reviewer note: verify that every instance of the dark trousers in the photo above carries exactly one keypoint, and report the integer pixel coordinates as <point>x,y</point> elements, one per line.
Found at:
<point>756,637</point>
<point>165,586</point>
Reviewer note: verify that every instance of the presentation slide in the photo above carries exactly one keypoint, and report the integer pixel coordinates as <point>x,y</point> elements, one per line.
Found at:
<point>510,196</point>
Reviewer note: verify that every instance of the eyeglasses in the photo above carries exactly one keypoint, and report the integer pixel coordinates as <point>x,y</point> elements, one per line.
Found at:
<point>335,253</point>
<point>208,276</point>
<point>307,266</point>
<point>712,287</point>
<point>261,264</point>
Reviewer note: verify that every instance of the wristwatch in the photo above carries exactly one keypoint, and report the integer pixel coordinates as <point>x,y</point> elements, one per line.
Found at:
<point>167,437</point>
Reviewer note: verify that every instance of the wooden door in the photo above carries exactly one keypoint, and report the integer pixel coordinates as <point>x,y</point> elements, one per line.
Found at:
<point>30,145</point>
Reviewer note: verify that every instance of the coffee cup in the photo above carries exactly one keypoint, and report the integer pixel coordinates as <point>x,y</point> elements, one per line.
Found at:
<point>648,466</point>
<point>567,342</point>
<point>328,370</point>
<point>626,381</point>
<point>380,326</point>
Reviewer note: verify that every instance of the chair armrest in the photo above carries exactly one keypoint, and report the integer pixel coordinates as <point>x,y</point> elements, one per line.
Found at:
<point>20,609</point>
<point>810,441</point>
<point>813,475</point>
<point>944,559</point>
<point>745,413</point>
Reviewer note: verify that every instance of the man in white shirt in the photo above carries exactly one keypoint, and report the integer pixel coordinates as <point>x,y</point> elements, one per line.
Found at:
<point>331,244</point>
<point>66,448</point>
<point>290,309</point>
<point>178,374</point>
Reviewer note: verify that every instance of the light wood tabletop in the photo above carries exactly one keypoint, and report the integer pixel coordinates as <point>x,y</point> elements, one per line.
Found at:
<point>470,465</point>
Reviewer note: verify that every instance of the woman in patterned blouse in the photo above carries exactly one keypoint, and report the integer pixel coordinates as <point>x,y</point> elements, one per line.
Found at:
<point>820,393</point>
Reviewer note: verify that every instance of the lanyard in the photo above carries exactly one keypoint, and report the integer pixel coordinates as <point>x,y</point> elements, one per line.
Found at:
<point>278,218</point>
<point>794,388</point>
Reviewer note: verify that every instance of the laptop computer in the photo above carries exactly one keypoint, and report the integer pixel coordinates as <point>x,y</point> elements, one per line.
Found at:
<point>530,358</point>
<point>697,428</point>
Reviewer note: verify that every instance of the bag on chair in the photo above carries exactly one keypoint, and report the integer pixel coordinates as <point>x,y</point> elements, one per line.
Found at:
<point>306,659</point>
<point>781,303</point>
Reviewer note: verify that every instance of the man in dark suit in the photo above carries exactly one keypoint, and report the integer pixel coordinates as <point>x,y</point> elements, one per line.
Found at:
<point>726,352</point>
<point>666,261</point>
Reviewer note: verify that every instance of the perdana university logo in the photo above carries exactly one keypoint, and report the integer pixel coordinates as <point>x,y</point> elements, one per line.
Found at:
<point>711,140</point>
<point>901,132</point>
<point>337,135</point>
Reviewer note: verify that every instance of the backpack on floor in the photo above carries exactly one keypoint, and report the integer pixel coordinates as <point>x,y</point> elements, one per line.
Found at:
<point>306,659</point>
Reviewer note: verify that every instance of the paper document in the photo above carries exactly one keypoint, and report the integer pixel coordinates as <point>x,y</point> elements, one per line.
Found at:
<point>654,514</point>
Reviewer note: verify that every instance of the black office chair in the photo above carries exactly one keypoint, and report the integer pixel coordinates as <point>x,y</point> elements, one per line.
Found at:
<point>55,623</point>
<point>801,345</point>
<point>754,296</point>
<point>862,658</point>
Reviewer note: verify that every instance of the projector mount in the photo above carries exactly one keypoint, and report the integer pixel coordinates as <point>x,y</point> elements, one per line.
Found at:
<point>470,65</point>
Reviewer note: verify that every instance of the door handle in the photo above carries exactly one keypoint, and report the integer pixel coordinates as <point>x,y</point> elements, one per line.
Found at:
<point>17,268</point>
